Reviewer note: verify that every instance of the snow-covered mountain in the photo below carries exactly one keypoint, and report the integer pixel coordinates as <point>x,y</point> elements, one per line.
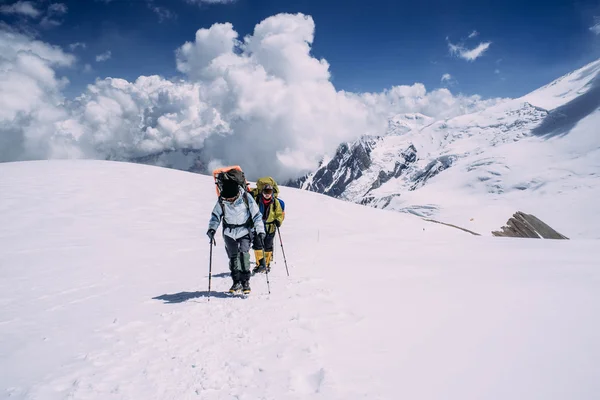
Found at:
<point>546,139</point>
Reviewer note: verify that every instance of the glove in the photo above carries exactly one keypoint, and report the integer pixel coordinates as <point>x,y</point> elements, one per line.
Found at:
<point>211,235</point>
<point>261,238</point>
<point>277,223</point>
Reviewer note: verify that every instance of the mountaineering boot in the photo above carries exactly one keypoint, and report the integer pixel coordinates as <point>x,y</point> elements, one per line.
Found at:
<point>246,287</point>
<point>236,287</point>
<point>261,264</point>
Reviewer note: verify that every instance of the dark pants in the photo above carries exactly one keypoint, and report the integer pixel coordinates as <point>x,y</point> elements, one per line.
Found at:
<point>269,238</point>
<point>239,258</point>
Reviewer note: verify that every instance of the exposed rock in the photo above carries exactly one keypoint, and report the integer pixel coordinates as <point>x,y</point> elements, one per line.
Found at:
<point>295,183</point>
<point>408,156</point>
<point>527,226</point>
<point>347,165</point>
<point>432,169</point>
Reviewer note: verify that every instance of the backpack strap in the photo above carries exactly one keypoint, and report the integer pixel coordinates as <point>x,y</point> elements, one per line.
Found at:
<point>249,222</point>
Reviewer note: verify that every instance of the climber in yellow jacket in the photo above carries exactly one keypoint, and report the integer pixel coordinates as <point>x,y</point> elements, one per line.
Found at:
<point>272,208</point>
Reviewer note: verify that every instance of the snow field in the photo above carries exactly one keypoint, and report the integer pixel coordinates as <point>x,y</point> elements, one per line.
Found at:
<point>103,295</point>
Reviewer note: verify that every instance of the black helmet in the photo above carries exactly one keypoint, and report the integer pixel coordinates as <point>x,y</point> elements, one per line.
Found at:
<point>230,190</point>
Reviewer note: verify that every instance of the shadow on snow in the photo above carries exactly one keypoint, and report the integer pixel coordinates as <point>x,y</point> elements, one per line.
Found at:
<point>185,296</point>
<point>222,275</point>
<point>561,120</point>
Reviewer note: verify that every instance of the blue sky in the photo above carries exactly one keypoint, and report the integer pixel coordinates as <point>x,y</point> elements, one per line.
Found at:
<point>370,45</point>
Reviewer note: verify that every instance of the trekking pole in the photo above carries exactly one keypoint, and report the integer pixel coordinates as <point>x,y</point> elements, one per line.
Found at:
<point>266,269</point>
<point>283,251</point>
<point>210,266</point>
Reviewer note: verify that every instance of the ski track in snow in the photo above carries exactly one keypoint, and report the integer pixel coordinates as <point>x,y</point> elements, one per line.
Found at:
<point>104,296</point>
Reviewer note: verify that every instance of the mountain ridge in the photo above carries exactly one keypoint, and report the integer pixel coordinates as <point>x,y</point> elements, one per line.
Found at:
<point>479,144</point>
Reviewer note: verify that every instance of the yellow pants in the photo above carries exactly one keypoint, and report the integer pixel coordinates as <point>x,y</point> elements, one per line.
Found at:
<point>258,255</point>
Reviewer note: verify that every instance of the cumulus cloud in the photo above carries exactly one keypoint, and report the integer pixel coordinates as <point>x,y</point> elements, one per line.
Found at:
<point>24,8</point>
<point>104,56</point>
<point>473,34</point>
<point>446,77</point>
<point>463,52</point>
<point>262,101</point>
<point>31,103</point>
<point>200,59</point>
<point>149,115</point>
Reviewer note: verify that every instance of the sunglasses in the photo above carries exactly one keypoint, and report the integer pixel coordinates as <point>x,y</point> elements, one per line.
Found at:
<point>268,191</point>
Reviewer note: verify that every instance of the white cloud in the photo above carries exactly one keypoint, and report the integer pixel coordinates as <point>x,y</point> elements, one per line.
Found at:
<point>262,101</point>
<point>145,116</point>
<point>596,27</point>
<point>25,8</point>
<point>448,80</point>
<point>57,9</point>
<point>12,43</point>
<point>29,9</point>
<point>162,12</point>
<point>468,54</point>
<point>31,103</point>
<point>74,46</point>
<point>52,17</point>
<point>104,56</point>
<point>473,34</point>
<point>212,46</point>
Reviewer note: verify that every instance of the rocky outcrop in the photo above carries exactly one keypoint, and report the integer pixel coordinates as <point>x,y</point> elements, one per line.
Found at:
<point>527,226</point>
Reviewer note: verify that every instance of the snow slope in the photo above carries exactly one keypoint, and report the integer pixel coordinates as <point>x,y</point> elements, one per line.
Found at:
<point>539,154</point>
<point>103,296</point>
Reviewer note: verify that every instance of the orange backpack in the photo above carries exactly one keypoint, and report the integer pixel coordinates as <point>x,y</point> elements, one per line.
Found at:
<point>232,173</point>
<point>235,174</point>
